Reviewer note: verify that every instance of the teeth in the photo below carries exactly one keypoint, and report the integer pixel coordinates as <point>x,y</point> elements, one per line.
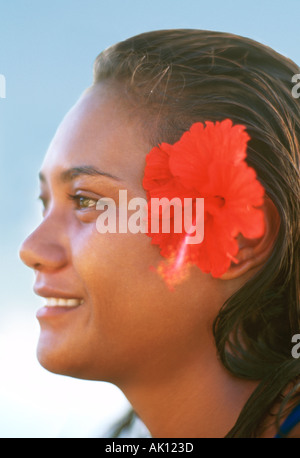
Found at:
<point>60,302</point>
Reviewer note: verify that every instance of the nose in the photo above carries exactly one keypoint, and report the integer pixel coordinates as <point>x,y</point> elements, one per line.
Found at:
<point>43,250</point>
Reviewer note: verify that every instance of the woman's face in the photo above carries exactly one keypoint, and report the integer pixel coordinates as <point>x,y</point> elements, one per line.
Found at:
<point>124,323</point>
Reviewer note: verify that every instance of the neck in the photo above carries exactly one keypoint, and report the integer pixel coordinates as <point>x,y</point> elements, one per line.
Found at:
<point>196,399</point>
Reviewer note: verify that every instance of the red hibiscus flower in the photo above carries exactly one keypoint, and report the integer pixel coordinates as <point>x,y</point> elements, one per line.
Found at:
<point>207,162</point>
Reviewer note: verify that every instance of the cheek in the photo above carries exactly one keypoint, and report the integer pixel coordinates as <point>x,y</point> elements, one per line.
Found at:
<point>126,294</point>
<point>116,273</point>
<point>117,277</point>
<point>115,258</point>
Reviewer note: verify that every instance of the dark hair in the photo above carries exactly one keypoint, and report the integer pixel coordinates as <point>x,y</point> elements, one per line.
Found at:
<point>179,77</point>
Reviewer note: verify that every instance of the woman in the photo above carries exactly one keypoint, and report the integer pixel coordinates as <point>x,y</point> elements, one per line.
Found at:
<point>210,357</point>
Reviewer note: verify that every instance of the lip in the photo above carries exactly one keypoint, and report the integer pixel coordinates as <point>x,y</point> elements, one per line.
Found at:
<point>49,311</point>
<point>46,291</point>
<point>52,312</point>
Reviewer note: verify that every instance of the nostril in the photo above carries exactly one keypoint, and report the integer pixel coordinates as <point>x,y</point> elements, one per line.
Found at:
<point>37,266</point>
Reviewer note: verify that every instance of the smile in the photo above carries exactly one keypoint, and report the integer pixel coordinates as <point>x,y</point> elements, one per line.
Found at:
<point>61,302</point>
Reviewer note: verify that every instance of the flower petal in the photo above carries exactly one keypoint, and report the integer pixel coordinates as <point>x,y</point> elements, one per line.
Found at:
<point>207,162</point>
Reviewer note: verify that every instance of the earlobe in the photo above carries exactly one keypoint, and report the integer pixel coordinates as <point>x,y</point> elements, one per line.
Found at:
<point>253,253</point>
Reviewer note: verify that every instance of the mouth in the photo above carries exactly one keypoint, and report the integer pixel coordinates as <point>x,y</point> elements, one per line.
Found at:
<point>62,302</point>
<point>58,306</point>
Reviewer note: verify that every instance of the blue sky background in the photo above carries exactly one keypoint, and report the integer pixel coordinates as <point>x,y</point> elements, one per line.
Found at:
<point>47,49</point>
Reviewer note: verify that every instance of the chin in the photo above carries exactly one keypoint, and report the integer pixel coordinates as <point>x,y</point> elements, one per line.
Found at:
<point>55,361</point>
<point>57,357</point>
<point>60,358</point>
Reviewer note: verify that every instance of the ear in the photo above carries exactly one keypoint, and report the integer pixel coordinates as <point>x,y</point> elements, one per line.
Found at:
<point>253,253</point>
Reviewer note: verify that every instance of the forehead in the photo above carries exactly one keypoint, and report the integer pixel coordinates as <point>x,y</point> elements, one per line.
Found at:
<point>102,131</point>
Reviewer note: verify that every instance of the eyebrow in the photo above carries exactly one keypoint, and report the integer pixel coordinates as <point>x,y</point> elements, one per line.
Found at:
<point>70,174</point>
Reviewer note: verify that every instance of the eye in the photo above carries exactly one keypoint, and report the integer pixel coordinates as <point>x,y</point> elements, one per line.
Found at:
<point>83,202</point>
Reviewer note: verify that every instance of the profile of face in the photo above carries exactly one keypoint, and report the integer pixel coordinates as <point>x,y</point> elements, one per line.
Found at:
<point>123,323</point>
